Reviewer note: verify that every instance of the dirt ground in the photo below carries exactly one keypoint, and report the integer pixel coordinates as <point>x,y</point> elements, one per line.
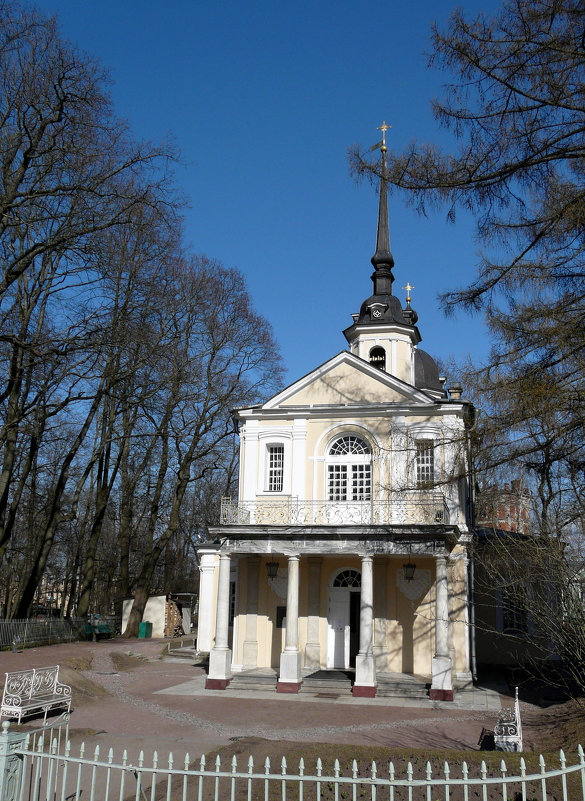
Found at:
<point>126,697</point>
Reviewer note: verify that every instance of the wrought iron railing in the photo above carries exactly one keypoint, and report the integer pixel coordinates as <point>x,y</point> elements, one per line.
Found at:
<point>50,769</point>
<point>423,508</point>
<point>25,633</point>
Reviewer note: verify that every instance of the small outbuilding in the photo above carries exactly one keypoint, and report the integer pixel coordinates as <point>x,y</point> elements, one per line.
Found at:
<point>170,614</point>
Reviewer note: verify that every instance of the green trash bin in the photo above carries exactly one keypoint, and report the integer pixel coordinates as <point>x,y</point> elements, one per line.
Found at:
<point>144,630</point>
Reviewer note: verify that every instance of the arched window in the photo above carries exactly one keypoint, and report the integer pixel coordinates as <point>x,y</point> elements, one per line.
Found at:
<point>348,578</point>
<point>349,470</point>
<point>378,358</point>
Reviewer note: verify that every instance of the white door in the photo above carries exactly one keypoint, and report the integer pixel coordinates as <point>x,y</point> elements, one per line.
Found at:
<point>338,628</point>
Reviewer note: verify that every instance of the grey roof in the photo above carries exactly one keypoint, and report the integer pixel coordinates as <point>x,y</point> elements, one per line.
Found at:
<point>426,372</point>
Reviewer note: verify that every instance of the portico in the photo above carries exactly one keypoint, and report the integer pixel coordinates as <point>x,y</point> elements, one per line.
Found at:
<point>346,572</point>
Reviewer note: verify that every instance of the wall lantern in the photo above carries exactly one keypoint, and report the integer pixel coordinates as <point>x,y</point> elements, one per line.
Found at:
<point>272,569</point>
<point>409,568</point>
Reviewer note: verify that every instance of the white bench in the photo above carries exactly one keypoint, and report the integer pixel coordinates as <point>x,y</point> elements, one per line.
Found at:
<point>33,690</point>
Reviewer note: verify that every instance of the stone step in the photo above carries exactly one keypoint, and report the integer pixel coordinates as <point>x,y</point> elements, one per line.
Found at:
<point>256,681</point>
<point>187,653</point>
<point>248,687</point>
<point>323,685</point>
<point>401,689</point>
<point>254,678</point>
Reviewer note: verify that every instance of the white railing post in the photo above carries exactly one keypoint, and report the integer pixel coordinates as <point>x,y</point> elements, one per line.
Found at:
<point>10,763</point>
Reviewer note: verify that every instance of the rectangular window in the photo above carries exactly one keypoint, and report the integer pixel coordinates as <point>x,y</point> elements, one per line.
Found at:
<point>515,605</point>
<point>425,463</point>
<point>275,468</point>
<point>361,482</point>
<point>339,488</point>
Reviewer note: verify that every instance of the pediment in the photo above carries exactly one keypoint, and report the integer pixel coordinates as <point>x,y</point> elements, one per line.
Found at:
<point>346,380</point>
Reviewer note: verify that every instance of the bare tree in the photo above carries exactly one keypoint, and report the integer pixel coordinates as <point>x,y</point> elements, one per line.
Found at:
<point>221,354</point>
<point>515,160</point>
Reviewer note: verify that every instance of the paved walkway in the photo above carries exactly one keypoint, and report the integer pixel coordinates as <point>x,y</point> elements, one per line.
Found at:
<point>163,706</point>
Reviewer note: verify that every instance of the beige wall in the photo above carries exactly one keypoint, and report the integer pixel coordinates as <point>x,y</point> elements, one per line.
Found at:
<point>391,457</point>
<point>404,629</point>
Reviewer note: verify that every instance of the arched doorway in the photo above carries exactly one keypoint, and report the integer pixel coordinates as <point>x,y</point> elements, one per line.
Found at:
<point>343,618</point>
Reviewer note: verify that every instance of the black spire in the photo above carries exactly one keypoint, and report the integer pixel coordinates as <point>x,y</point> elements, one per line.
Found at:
<point>382,258</point>
<point>382,306</point>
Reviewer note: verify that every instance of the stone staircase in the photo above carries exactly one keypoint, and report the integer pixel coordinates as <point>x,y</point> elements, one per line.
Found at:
<point>260,680</point>
<point>401,685</point>
<point>328,683</point>
<point>181,652</point>
<point>331,684</point>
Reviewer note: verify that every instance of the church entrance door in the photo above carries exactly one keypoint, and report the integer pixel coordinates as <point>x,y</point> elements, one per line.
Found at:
<point>343,620</point>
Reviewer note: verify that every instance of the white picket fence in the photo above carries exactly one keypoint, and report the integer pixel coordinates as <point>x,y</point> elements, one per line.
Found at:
<point>34,770</point>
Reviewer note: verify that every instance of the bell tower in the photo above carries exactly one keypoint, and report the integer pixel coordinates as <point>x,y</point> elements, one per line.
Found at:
<point>384,333</point>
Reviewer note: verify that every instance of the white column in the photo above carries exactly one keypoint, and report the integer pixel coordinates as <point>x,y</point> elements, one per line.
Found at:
<point>441,684</point>
<point>290,659</point>
<point>313,649</point>
<point>365,669</point>
<point>380,646</point>
<point>250,658</point>
<point>207,568</point>
<point>465,676</point>
<point>220,658</point>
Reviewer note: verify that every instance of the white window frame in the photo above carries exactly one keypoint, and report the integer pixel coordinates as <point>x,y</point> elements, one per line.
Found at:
<point>349,465</point>
<point>270,440</point>
<point>424,433</point>
<point>424,463</point>
<point>274,471</point>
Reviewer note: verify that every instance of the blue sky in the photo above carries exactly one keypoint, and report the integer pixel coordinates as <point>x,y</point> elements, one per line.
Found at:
<point>263,99</point>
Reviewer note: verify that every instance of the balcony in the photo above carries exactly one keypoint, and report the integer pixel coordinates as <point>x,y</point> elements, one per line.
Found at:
<point>414,508</point>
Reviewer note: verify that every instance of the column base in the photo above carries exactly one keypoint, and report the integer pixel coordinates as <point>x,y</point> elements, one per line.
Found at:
<point>441,695</point>
<point>463,680</point>
<point>290,668</point>
<point>250,654</point>
<point>220,666</point>
<point>288,686</point>
<point>363,691</point>
<point>313,655</point>
<point>365,670</point>
<point>441,678</point>
<point>216,684</point>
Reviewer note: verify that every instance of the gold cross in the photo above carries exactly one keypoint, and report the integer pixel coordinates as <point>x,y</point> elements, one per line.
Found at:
<point>408,291</point>
<point>384,127</point>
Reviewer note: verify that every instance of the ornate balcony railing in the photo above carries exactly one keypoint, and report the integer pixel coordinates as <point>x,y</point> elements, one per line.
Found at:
<point>422,508</point>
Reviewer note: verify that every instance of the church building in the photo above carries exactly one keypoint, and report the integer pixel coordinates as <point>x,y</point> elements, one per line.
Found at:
<point>346,549</point>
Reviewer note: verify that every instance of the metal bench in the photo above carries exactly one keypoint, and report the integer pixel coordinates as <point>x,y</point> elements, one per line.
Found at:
<point>34,690</point>
<point>96,630</point>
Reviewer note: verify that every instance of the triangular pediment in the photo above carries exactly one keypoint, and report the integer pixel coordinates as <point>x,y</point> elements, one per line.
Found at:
<point>347,380</point>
